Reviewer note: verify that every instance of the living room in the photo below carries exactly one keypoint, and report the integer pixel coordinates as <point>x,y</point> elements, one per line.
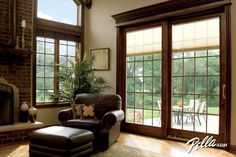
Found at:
<point>108,26</point>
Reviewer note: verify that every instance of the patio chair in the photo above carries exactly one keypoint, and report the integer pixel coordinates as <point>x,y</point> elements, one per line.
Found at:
<point>199,110</point>
<point>193,110</point>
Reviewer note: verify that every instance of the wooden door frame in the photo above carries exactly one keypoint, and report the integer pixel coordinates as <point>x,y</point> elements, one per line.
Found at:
<point>166,11</point>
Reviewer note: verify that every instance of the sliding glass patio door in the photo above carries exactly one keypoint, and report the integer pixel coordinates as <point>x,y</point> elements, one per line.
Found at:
<point>196,77</point>
<point>174,81</point>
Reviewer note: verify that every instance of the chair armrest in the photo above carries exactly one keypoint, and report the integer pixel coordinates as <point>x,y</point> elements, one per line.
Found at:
<point>65,115</point>
<point>111,118</point>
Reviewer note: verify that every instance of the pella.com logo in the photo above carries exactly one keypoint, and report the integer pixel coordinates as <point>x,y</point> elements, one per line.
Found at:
<point>208,141</point>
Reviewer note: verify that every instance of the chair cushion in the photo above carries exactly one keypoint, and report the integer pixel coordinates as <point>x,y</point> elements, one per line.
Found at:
<point>88,124</point>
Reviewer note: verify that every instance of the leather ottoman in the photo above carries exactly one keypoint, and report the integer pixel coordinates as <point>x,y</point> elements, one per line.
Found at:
<point>60,141</point>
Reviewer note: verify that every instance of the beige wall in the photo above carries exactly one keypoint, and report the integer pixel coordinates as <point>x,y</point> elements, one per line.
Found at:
<point>100,32</point>
<point>49,115</point>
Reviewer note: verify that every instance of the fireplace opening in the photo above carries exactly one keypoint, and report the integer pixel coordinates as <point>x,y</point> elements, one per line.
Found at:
<point>6,104</point>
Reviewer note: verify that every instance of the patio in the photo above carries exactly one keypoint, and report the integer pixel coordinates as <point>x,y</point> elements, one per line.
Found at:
<point>212,125</point>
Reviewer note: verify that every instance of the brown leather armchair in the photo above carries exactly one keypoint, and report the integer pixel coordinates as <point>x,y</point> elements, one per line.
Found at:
<point>106,127</point>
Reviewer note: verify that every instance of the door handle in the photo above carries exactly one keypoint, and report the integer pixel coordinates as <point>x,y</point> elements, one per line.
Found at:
<point>224,91</point>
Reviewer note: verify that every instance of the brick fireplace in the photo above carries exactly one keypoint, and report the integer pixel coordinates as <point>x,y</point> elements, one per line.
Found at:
<point>17,64</point>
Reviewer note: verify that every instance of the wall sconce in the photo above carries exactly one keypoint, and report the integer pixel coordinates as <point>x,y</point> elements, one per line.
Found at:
<point>87,3</point>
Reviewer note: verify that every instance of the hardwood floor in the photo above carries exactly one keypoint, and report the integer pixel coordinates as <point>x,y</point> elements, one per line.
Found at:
<point>167,148</point>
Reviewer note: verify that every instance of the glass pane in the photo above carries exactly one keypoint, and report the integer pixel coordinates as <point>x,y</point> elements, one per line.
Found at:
<point>157,56</point>
<point>157,118</point>
<point>157,85</point>
<point>156,98</point>
<point>213,105</point>
<point>62,60</point>
<point>200,85</point>
<point>49,48</point>
<point>148,68</point>
<point>214,126</point>
<point>130,58</point>
<point>148,117</point>
<point>49,60</point>
<point>130,100</point>
<point>49,71</point>
<point>138,116</point>
<point>40,59</point>
<point>189,54</point>
<point>139,84</point>
<point>201,66</point>
<point>214,66</point>
<point>139,69</point>
<point>139,100</point>
<point>201,53</point>
<point>148,57</point>
<point>129,115</point>
<point>138,58</point>
<point>148,84</point>
<point>177,84</point>
<point>48,94</point>
<point>39,71</point>
<point>63,50</point>
<point>40,95</point>
<point>130,85</point>
<point>40,47</point>
<point>177,68</point>
<point>71,51</point>
<point>157,68</point>
<point>215,52</point>
<point>148,101</point>
<point>69,16</point>
<point>188,66</point>
<point>130,69</point>
<point>189,85</point>
<point>49,83</point>
<point>40,83</point>
<point>213,85</point>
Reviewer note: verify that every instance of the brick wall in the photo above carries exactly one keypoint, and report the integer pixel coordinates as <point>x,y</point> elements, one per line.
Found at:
<point>15,136</point>
<point>21,77</point>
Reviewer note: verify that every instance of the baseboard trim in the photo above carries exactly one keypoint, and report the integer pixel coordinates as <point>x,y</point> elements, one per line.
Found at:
<point>232,148</point>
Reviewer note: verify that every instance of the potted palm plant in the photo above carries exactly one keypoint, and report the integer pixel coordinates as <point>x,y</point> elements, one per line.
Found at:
<point>77,78</point>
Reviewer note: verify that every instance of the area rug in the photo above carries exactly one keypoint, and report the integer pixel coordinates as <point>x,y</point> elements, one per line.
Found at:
<point>116,150</point>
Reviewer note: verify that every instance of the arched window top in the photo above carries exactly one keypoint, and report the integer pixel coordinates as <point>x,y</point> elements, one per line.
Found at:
<point>64,11</point>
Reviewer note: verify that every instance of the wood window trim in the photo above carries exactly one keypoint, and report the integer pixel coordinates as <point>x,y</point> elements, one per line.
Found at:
<point>58,27</point>
<point>169,9</point>
<point>175,10</point>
